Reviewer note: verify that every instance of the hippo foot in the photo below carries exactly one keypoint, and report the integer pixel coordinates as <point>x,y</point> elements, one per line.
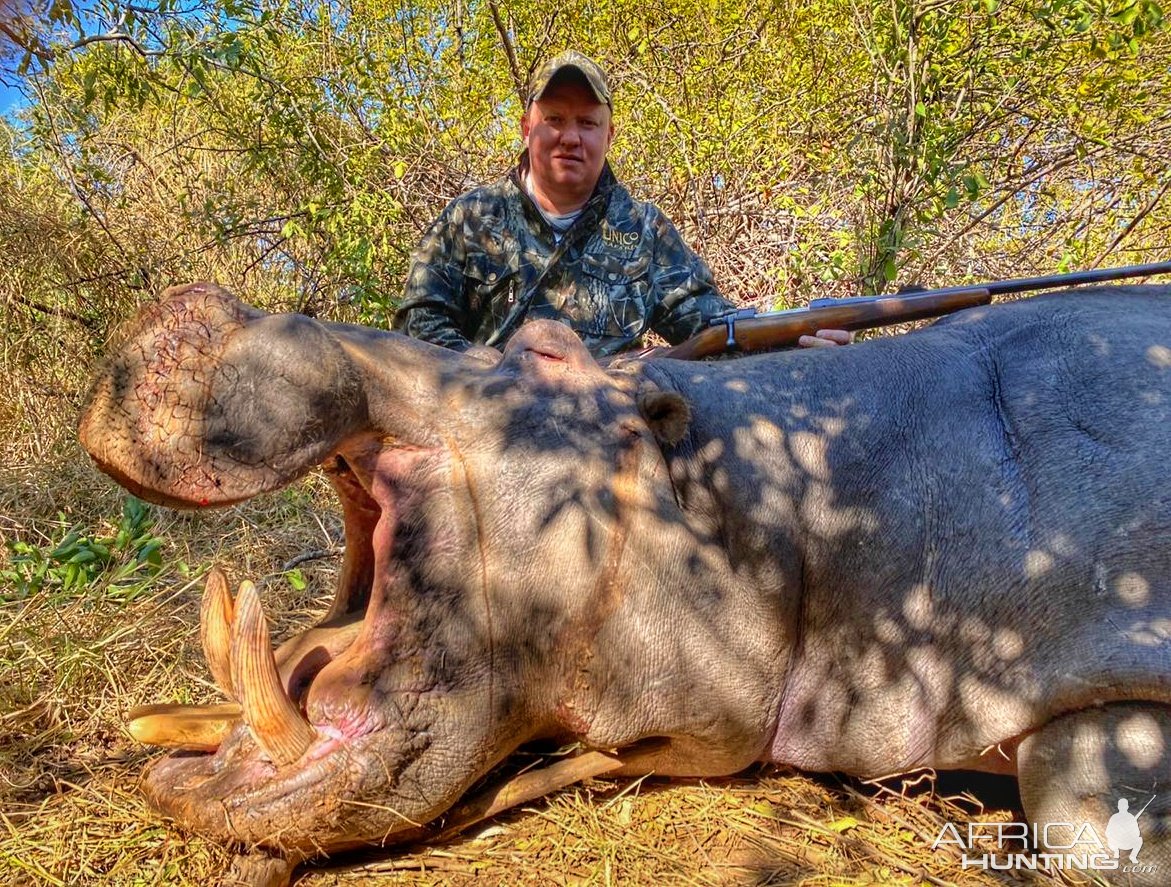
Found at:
<point>1108,768</point>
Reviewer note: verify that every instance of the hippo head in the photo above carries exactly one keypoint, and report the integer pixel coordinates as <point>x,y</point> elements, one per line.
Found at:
<point>497,514</point>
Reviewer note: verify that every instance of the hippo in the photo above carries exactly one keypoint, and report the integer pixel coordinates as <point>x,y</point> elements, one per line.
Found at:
<point>945,549</point>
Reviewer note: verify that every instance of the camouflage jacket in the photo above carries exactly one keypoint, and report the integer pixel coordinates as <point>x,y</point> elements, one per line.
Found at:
<point>491,262</point>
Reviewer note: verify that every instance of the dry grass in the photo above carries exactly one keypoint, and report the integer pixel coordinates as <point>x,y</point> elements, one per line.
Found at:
<point>72,664</point>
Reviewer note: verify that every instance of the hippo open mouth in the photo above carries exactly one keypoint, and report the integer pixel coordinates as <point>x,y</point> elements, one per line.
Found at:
<point>344,704</point>
<point>305,714</point>
<point>438,656</point>
<point>207,402</point>
<point>298,727</point>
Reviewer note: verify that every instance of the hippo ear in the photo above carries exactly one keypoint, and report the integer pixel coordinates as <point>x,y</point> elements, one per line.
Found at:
<point>666,412</point>
<point>206,401</point>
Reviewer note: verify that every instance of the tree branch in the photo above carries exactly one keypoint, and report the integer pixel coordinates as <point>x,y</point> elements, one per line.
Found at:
<point>1132,224</point>
<point>509,51</point>
<point>27,43</point>
<point>53,311</point>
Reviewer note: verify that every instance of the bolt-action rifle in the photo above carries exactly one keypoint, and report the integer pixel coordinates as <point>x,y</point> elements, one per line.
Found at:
<point>745,330</point>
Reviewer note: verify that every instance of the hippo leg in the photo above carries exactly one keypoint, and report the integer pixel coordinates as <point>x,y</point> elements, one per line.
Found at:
<point>1081,766</point>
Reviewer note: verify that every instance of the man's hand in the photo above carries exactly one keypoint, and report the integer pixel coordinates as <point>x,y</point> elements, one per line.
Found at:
<point>826,339</point>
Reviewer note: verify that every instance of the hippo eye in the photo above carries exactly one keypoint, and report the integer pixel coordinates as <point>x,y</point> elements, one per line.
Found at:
<point>546,355</point>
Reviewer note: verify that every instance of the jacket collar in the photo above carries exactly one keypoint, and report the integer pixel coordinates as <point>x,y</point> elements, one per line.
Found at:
<point>600,196</point>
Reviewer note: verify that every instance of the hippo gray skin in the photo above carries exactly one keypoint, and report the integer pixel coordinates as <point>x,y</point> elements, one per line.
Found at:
<point>946,549</point>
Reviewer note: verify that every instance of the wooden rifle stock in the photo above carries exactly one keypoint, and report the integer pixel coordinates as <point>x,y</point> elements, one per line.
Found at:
<point>744,331</point>
<point>783,328</point>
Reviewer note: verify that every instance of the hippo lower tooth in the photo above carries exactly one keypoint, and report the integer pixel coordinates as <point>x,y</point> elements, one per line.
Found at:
<point>186,727</point>
<point>215,630</point>
<point>275,722</point>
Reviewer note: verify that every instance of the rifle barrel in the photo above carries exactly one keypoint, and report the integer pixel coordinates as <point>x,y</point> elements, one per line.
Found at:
<point>1073,278</point>
<point>1144,810</point>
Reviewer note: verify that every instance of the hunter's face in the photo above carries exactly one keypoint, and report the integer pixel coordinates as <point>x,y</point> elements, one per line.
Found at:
<point>568,132</point>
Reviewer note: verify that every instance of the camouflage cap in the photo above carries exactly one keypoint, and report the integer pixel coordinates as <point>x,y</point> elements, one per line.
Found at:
<point>589,70</point>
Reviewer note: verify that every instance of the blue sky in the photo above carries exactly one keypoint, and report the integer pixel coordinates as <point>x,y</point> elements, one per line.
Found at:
<point>8,96</point>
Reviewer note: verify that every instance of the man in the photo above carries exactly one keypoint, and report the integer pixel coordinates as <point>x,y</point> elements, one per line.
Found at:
<point>560,238</point>
<point>1122,831</point>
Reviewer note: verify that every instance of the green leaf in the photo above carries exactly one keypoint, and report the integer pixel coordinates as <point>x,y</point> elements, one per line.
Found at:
<point>150,553</point>
<point>87,82</point>
<point>1126,15</point>
<point>66,547</point>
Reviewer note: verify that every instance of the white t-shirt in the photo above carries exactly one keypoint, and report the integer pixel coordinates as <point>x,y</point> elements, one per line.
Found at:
<point>559,223</point>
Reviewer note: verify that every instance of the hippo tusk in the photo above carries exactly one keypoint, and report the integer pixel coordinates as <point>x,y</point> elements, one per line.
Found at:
<point>215,630</point>
<point>275,722</point>
<point>186,727</point>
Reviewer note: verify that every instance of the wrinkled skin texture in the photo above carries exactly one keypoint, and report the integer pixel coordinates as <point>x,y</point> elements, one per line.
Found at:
<point>948,549</point>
